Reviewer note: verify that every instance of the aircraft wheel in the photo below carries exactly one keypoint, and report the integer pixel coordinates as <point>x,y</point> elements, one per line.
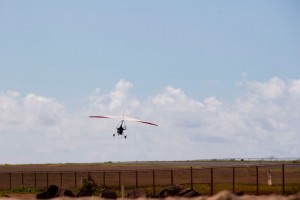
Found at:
<point>114,135</point>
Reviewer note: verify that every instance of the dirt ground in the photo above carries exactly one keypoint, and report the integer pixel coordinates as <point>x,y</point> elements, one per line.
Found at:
<point>129,165</point>
<point>223,195</point>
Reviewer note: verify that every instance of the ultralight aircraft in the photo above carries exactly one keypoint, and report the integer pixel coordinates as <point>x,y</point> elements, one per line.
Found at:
<point>122,126</point>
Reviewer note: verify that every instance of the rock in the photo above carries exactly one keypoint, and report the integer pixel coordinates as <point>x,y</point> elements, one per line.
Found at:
<point>189,193</point>
<point>64,193</point>
<point>69,193</point>
<point>241,193</point>
<point>54,191</point>
<point>85,193</point>
<point>138,193</point>
<point>171,191</point>
<point>178,191</point>
<point>51,193</point>
<point>108,194</point>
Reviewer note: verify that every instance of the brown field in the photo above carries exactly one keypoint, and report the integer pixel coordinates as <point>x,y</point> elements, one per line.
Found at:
<point>139,165</point>
<point>208,177</point>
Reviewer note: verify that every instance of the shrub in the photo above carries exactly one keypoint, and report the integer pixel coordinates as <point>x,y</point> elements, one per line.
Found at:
<point>89,184</point>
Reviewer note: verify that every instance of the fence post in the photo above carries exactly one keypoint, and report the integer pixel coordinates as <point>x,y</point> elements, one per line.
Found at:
<point>122,191</point>
<point>211,181</point>
<point>34,179</point>
<point>136,179</point>
<point>233,179</point>
<point>47,179</point>
<point>283,180</point>
<point>103,178</point>
<point>22,179</point>
<point>172,183</point>
<point>191,178</point>
<point>75,179</point>
<point>9,180</point>
<point>257,180</point>
<point>153,178</point>
<point>120,180</point>
<point>61,179</point>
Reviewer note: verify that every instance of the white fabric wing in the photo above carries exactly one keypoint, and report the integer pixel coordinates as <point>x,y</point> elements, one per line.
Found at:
<point>125,118</point>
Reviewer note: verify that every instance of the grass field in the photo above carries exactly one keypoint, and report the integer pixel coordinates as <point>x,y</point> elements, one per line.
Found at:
<point>206,177</point>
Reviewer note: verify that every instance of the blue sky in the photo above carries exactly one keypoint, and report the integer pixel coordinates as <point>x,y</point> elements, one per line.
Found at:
<point>79,57</point>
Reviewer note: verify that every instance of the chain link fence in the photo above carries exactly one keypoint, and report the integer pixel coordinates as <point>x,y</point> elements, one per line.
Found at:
<point>265,179</point>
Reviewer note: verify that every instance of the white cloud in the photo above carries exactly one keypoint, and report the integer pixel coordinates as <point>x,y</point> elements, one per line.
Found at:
<point>263,121</point>
<point>175,100</point>
<point>29,114</point>
<point>295,87</point>
<point>119,95</point>
<point>116,101</point>
<point>272,89</point>
<point>212,103</point>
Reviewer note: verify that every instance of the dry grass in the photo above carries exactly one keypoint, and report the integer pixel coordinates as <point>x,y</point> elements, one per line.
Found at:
<point>245,175</point>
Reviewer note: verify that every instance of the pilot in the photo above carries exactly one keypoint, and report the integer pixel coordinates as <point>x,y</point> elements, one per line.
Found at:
<point>120,130</point>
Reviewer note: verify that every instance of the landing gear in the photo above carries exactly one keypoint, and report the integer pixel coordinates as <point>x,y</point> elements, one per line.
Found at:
<point>125,136</point>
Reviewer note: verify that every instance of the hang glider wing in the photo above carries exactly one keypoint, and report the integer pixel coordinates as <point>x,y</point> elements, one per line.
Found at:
<point>138,120</point>
<point>126,118</point>
<point>108,116</point>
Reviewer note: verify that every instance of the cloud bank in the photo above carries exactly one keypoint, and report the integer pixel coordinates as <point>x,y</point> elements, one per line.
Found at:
<point>263,121</point>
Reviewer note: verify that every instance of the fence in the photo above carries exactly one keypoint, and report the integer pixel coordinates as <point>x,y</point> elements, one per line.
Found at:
<point>265,179</point>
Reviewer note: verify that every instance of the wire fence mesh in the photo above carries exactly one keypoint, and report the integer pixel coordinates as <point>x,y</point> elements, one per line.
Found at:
<point>265,179</point>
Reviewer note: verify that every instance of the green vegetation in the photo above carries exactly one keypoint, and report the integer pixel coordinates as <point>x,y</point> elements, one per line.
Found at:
<point>19,190</point>
<point>22,189</point>
<point>292,189</point>
<point>89,184</point>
